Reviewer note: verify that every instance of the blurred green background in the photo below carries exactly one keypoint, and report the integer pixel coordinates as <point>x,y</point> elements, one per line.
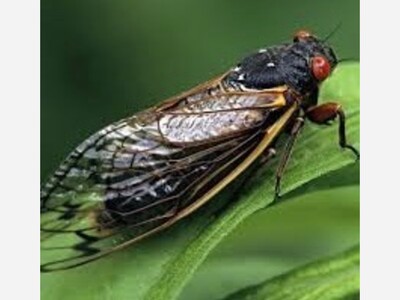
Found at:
<point>103,60</point>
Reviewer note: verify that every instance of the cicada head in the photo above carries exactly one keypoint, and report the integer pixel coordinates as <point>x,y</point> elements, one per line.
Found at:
<point>307,62</point>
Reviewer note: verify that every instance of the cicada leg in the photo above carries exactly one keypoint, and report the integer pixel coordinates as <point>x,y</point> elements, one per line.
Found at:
<point>327,112</point>
<point>294,133</point>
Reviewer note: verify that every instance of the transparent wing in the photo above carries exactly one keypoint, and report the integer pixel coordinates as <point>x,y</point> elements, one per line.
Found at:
<point>135,177</point>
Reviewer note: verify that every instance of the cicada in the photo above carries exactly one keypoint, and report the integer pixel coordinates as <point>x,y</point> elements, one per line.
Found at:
<point>142,174</point>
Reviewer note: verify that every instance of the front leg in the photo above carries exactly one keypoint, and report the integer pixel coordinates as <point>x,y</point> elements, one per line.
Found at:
<point>326,112</point>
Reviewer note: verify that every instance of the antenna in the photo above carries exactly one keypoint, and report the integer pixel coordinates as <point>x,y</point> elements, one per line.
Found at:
<point>337,27</point>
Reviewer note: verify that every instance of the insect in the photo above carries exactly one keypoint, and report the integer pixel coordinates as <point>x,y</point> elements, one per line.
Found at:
<point>142,174</point>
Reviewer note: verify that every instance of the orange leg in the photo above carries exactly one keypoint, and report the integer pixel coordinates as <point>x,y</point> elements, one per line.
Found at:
<point>327,112</point>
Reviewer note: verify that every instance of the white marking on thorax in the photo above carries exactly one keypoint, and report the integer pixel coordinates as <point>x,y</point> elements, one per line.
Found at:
<point>236,69</point>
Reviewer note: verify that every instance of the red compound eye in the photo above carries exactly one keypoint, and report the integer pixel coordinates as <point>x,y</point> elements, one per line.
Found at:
<point>320,67</point>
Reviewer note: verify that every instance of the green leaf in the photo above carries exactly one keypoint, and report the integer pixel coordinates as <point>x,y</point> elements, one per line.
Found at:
<point>337,277</point>
<point>279,239</point>
<point>159,267</point>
